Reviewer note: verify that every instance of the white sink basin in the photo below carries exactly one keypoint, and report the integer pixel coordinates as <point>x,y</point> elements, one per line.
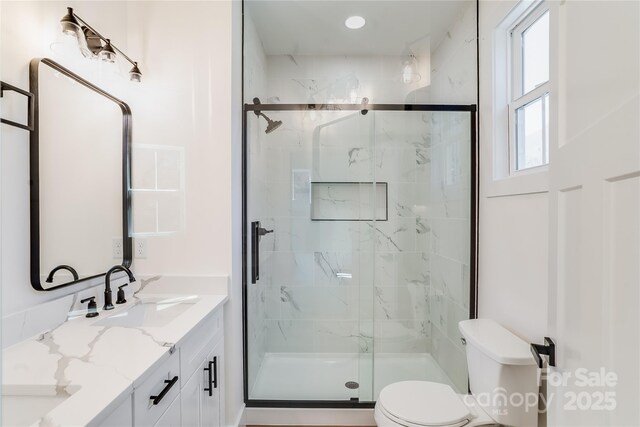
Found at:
<point>24,406</point>
<point>155,312</point>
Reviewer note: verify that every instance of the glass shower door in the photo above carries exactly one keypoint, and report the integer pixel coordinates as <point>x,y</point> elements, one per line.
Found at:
<point>359,249</point>
<point>422,253</point>
<point>311,207</point>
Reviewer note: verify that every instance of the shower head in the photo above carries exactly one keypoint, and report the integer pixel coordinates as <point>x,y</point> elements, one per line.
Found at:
<point>271,124</point>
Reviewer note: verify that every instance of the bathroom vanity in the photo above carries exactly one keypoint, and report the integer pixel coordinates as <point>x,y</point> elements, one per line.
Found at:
<point>156,360</point>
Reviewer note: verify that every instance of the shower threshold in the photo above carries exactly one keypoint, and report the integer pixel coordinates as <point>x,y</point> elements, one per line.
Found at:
<point>324,376</point>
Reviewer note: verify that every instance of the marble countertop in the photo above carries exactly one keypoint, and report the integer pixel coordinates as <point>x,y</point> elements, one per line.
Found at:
<point>91,368</point>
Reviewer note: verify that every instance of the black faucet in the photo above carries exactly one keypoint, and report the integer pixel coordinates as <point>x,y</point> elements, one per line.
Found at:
<point>70,269</point>
<point>108,305</point>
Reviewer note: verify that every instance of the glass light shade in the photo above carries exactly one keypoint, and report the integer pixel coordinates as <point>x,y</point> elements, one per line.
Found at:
<point>69,24</point>
<point>134,74</point>
<point>107,53</point>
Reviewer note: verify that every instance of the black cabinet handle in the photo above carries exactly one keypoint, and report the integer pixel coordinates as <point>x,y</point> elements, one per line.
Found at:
<point>215,371</point>
<point>213,375</point>
<point>169,383</point>
<point>209,389</point>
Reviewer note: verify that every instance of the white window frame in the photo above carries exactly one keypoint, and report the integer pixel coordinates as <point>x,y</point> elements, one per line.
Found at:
<point>517,99</point>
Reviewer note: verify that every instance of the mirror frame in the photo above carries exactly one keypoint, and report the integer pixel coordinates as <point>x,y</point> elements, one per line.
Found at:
<point>34,163</point>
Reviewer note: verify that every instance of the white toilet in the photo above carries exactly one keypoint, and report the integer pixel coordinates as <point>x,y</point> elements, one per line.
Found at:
<point>503,380</point>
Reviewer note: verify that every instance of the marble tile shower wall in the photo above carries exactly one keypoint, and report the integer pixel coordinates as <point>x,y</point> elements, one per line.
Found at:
<point>344,79</point>
<point>347,286</point>
<point>449,217</point>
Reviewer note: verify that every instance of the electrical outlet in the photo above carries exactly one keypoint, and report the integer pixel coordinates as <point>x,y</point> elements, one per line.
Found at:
<point>140,248</point>
<point>117,248</point>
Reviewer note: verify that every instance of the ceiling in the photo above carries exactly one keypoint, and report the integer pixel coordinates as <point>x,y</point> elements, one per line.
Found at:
<point>316,27</point>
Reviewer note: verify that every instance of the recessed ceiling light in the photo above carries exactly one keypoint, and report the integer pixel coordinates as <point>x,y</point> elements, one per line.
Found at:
<point>354,22</point>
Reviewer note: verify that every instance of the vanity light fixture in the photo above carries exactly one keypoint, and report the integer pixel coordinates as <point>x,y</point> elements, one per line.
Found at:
<point>355,22</point>
<point>93,45</point>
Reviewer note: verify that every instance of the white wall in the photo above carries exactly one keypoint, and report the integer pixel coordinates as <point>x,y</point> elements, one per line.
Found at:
<point>190,99</point>
<point>513,227</point>
<point>28,28</point>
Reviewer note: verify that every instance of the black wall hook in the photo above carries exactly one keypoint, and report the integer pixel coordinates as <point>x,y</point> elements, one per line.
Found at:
<point>548,349</point>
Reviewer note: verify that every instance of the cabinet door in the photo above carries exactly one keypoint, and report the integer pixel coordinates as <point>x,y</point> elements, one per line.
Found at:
<point>171,417</point>
<point>191,396</point>
<point>212,404</point>
<point>121,416</point>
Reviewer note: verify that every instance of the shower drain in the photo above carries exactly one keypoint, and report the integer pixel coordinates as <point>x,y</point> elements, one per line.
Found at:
<point>352,385</point>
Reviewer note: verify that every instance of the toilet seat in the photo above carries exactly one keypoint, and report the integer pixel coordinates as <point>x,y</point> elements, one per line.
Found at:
<point>423,404</point>
<point>399,422</point>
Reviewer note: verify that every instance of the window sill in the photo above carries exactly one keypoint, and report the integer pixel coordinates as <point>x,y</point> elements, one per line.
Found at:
<point>524,182</point>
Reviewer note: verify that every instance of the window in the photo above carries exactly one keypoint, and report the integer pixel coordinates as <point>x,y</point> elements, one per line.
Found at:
<point>158,187</point>
<point>529,92</point>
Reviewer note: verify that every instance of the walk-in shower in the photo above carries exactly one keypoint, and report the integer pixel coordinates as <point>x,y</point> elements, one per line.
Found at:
<point>359,197</point>
<point>371,262</point>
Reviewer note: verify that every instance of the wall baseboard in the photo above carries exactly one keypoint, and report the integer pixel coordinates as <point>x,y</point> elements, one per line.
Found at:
<point>309,417</point>
<point>241,419</point>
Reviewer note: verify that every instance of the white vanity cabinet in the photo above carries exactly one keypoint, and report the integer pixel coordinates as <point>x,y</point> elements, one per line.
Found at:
<point>201,359</point>
<point>171,417</point>
<point>187,386</point>
<point>201,397</point>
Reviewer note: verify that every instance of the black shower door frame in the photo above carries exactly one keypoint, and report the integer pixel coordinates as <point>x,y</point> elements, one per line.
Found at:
<point>473,235</point>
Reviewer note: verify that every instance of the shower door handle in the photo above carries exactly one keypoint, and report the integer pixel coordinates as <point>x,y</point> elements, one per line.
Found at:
<point>256,233</point>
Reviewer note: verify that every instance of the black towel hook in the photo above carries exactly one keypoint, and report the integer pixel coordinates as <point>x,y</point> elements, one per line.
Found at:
<point>547,349</point>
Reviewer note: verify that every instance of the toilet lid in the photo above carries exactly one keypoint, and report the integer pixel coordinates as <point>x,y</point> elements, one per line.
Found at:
<point>424,403</point>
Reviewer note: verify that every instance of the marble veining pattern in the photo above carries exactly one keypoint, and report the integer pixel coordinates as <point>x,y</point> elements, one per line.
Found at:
<point>85,363</point>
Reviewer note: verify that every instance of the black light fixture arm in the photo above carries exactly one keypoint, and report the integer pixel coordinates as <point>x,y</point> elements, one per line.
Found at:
<point>104,39</point>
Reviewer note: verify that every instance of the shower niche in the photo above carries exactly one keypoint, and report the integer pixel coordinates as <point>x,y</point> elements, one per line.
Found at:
<point>349,201</point>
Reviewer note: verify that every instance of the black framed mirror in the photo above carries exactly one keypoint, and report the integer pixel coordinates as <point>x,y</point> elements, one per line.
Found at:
<point>80,167</point>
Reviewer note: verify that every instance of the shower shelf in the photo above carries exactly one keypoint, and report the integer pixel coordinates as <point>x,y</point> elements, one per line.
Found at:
<point>349,201</point>
<point>30,107</point>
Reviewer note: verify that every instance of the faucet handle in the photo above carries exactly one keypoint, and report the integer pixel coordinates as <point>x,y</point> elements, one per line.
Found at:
<point>121,298</point>
<point>92,309</point>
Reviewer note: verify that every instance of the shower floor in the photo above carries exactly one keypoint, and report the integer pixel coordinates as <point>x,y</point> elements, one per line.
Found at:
<point>301,376</point>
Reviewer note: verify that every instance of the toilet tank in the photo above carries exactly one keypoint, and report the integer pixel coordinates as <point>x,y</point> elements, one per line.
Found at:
<point>503,376</point>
